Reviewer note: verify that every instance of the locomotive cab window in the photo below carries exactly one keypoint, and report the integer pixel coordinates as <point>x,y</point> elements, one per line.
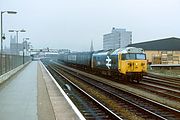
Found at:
<point>133,56</point>
<point>140,56</point>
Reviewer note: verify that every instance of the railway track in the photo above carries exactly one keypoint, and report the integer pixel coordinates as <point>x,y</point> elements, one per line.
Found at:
<point>166,93</point>
<point>171,84</point>
<point>89,107</point>
<point>165,78</point>
<point>143,107</point>
<point>164,87</point>
<point>158,90</point>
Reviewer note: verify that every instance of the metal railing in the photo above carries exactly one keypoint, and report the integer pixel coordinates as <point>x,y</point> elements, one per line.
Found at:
<point>9,62</point>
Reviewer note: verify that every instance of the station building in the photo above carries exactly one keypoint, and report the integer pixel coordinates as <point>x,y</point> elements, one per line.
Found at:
<point>162,51</point>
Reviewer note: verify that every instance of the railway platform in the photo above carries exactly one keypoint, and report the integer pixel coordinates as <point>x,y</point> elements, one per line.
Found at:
<point>31,94</point>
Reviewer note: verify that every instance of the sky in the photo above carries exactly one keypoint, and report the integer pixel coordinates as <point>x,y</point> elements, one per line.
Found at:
<point>72,24</point>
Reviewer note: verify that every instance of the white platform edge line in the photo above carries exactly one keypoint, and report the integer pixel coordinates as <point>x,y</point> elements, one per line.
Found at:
<point>64,94</point>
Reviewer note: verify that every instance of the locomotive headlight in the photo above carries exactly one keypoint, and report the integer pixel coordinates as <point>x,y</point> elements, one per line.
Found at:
<point>129,63</point>
<point>136,64</point>
<point>142,64</point>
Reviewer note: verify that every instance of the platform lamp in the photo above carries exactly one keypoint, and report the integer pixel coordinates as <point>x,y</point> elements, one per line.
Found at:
<point>3,37</point>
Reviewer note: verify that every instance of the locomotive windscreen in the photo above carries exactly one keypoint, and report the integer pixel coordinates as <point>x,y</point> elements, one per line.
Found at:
<point>133,56</point>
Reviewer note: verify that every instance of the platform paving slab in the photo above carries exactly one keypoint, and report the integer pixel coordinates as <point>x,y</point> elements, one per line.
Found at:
<point>45,109</point>
<point>18,95</point>
<point>62,109</point>
<point>32,95</point>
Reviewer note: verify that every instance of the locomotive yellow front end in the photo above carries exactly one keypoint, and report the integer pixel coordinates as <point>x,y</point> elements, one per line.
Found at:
<point>132,63</point>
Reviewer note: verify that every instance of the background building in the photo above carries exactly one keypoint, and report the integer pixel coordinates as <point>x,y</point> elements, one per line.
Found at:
<point>118,38</point>
<point>17,48</point>
<point>163,51</point>
<point>13,45</point>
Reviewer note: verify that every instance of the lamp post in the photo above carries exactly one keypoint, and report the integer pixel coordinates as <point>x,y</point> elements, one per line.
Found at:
<point>24,47</point>
<point>9,12</point>
<point>17,31</point>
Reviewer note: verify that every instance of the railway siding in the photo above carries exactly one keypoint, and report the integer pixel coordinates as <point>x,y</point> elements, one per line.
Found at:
<point>166,73</point>
<point>162,100</point>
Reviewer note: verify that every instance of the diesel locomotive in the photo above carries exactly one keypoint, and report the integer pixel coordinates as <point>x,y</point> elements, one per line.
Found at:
<point>127,63</point>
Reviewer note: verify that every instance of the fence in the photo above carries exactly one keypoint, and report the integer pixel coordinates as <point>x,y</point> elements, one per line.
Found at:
<point>9,62</point>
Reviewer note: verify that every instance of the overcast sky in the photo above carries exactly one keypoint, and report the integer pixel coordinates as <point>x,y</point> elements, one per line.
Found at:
<point>73,24</point>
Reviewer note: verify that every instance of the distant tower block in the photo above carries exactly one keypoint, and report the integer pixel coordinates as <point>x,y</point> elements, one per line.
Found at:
<point>91,48</point>
<point>118,38</point>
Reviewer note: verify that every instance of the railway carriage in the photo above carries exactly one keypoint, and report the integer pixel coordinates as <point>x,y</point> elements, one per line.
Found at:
<point>77,59</point>
<point>84,59</point>
<point>128,63</point>
<point>62,57</point>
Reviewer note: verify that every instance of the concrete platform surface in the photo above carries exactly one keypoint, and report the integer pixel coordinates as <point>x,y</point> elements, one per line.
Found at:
<point>62,109</point>
<point>31,94</point>
<point>18,95</point>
